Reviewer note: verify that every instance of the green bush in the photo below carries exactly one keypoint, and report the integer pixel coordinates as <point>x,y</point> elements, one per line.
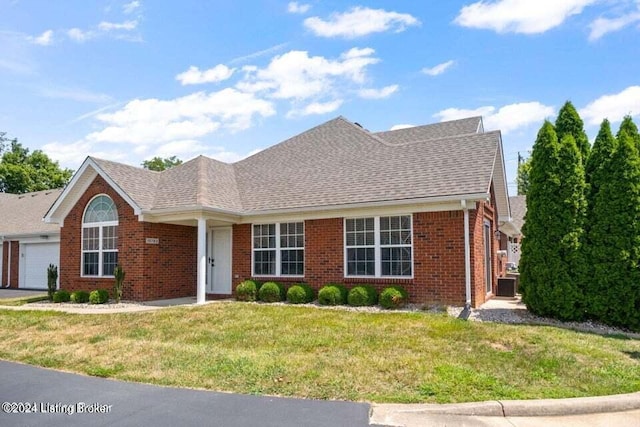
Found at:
<point>362,295</point>
<point>272,292</point>
<point>99,296</point>
<point>52,280</point>
<point>61,296</point>
<point>80,297</point>
<point>332,294</point>
<point>247,291</point>
<point>393,297</point>
<point>300,293</point>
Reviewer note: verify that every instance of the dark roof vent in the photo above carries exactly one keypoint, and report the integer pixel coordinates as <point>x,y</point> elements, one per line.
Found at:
<point>358,124</point>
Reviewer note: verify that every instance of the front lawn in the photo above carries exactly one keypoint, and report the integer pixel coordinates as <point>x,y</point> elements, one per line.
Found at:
<point>326,354</point>
<point>22,300</point>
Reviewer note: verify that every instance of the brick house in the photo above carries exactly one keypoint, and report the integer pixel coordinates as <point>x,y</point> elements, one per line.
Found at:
<point>27,244</point>
<point>418,207</point>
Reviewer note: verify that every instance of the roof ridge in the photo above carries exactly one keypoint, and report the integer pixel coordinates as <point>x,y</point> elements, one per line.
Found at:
<point>366,132</point>
<point>401,144</point>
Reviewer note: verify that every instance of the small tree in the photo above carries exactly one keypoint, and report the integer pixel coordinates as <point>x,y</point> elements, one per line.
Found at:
<point>524,168</point>
<point>52,280</point>
<point>118,273</point>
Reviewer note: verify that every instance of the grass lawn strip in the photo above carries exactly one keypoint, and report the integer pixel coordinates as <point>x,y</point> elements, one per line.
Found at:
<point>326,354</point>
<point>13,302</point>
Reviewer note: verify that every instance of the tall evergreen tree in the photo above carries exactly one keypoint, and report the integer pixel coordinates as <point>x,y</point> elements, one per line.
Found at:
<point>570,123</point>
<point>614,236</point>
<point>598,166</point>
<point>553,227</point>
<point>631,129</point>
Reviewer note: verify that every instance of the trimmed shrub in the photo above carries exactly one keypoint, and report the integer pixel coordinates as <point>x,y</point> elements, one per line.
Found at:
<point>99,296</point>
<point>80,297</point>
<point>393,297</point>
<point>247,291</point>
<point>118,274</point>
<point>332,294</point>
<point>300,293</point>
<point>52,280</point>
<point>362,295</point>
<point>271,292</point>
<point>61,296</point>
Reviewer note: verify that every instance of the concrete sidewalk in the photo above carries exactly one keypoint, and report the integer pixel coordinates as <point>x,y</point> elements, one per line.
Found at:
<point>619,410</point>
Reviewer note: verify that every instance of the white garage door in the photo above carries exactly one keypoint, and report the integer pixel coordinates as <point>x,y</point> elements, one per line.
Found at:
<point>34,261</point>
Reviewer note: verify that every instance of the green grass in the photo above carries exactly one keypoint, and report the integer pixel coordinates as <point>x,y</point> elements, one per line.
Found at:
<point>326,354</point>
<point>22,300</point>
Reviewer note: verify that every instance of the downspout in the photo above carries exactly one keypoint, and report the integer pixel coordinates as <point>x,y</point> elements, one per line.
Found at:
<point>467,262</point>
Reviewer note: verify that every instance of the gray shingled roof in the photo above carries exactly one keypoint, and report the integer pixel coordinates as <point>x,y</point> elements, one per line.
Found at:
<point>518,210</point>
<point>433,131</point>
<point>334,163</point>
<point>22,214</point>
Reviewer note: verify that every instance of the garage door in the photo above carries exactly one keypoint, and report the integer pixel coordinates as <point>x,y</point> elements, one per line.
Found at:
<point>34,261</point>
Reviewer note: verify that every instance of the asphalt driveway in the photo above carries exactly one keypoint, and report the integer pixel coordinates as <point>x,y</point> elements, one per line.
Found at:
<point>63,399</point>
<point>20,293</point>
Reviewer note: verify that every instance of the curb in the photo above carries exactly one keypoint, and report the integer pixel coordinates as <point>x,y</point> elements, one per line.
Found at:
<point>386,413</point>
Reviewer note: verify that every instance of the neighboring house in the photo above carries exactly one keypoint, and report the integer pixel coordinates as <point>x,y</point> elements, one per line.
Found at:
<point>416,207</point>
<point>29,245</point>
<point>518,210</point>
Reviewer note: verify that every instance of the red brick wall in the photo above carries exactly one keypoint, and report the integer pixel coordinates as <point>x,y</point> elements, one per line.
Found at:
<point>159,271</point>
<point>13,263</point>
<point>4,263</point>
<point>438,257</point>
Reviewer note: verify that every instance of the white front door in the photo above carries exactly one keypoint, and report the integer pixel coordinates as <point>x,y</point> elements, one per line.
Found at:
<point>219,261</point>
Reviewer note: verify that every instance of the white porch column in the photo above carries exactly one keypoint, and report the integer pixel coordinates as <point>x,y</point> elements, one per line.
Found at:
<point>467,254</point>
<point>202,261</point>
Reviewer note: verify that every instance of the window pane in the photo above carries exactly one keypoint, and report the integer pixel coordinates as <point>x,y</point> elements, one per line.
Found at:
<point>110,237</point>
<point>264,236</point>
<point>361,262</point>
<point>291,234</point>
<point>91,239</point>
<point>396,261</point>
<point>360,232</point>
<point>101,209</point>
<point>90,263</point>
<point>292,262</point>
<point>109,263</point>
<point>264,262</point>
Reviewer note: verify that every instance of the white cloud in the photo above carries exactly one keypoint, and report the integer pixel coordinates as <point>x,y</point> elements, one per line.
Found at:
<point>438,69</point>
<point>296,75</point>
<point>317,108</point>
<point>78,35</point>
<point>613,107</point>
<point>507,119</point>
<point>194,76</point>
<point>267,51</point>
<point>602,26</point>
<point>72,155</point>
<point>402,126</point>
<point>220,153</point>
<point>44,39</point>
<point>384,92</point>
<point>112,26</point>
<point>154,121</point>
<point>295,7</point>
<point>360,21</point>
<point>519,16</point>
<point>131,7</point>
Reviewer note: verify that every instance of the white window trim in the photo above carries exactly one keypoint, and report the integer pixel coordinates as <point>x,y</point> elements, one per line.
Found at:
<point>100,226</point>
<point>278,250</point>
<point>377,248</point>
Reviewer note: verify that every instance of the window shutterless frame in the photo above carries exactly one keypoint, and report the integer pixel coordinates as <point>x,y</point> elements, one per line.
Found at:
<point>99,240</point>
<point>388,244</point>
<point>280,244</point>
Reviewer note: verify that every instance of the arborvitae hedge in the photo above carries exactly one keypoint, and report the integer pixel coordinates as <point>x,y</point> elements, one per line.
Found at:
<point>614,240</point>
<point>570,123</point>
<point>553,228</point>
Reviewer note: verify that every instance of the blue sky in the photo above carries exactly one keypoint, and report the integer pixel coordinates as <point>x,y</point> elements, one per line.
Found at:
<point>128,80</point>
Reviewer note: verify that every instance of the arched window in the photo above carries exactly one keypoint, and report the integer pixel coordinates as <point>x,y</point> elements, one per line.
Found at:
<point>100,237</point>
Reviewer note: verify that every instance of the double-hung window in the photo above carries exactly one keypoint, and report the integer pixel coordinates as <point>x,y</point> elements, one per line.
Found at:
<point>379,246</point>
<point>100,237</point>
<point>278,249</point>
